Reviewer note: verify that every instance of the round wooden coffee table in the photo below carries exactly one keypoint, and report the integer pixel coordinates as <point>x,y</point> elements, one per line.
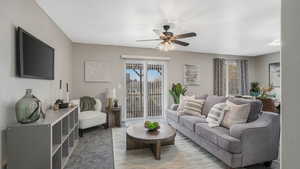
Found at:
<point>138,137</point>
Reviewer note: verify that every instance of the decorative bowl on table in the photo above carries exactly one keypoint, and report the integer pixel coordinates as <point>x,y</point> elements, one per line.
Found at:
<point>151,126</point>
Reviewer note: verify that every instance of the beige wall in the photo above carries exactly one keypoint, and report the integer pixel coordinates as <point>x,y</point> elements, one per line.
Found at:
<point>28,15</point>
<point>111,55</point>
<point>290,71</point>
<point>262,69</point>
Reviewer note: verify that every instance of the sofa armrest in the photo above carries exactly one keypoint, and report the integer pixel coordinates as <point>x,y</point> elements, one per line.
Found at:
<point>174,107</point>
<point>260,138</point>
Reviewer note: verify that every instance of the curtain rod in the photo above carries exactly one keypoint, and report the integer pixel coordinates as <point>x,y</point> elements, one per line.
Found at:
<point>145,57</point>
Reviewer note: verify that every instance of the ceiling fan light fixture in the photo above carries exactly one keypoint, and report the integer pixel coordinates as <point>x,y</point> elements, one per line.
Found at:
<point>166,46</point>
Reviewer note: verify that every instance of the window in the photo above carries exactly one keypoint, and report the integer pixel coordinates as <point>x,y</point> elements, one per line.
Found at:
<point>233,78</point>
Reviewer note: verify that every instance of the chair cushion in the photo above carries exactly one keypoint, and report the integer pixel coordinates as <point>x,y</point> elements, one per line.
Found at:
<point>219,136</point>
<point>172,115</point>
<point>89,119</point>
<point>211,101</point>
<point>190,121</point>
<point>255,107</point>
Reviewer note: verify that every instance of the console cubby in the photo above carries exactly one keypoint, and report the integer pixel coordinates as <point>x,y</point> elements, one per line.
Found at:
<point>65,127</point>
<point>76,133</point>
<point>56,136</point>
<point>76,115</point>
<point>65,151</point>
<point>71,140</point>
<point>71,120</point>
<point>56,159</point>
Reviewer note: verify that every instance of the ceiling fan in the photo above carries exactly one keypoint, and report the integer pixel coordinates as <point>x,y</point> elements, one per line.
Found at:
<point>168,38</point>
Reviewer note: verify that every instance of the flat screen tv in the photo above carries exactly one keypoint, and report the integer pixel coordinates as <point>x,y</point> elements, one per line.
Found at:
<point>35,59</point>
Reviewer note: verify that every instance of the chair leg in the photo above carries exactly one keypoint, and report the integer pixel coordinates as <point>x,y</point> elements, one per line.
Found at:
<point>80,132</point>
<point>268,164</point>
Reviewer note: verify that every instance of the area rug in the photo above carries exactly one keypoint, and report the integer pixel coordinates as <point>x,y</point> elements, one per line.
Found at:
<point>183,155</point>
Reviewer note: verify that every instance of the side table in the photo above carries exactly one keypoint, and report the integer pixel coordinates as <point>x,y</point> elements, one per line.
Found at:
<point>113,117</point>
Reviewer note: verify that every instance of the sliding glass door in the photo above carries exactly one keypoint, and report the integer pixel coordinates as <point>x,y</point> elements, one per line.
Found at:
<point>145,85</point>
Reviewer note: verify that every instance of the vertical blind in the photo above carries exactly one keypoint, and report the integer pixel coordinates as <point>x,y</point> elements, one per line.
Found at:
<point>134,91</point>
<point>154,89</point>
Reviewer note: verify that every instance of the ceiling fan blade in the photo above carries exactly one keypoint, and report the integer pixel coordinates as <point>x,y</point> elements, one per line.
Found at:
<point>186,35</point>
<point>145,40</point>
<point>180,43</point>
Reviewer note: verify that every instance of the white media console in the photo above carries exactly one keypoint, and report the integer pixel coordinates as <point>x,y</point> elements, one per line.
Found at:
<point>45,144</point>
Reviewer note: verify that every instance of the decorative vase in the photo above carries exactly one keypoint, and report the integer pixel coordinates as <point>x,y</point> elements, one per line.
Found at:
<point>28,108</point>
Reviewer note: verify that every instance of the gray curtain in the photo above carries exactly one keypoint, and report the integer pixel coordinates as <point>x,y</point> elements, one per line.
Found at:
<point>219,77</point>
<point>243,66</point>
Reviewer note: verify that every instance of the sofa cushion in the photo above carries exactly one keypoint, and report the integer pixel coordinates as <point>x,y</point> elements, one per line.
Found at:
<point>202,97</point>
<point>190,121</point>
<point>172,115</point>
<point>219,136</point>
<point>236,114</point>
<point>216,115</point>
<point>192,107</point>
<point>255,107</point>
<point>182,101</point>
<point>211,101</point>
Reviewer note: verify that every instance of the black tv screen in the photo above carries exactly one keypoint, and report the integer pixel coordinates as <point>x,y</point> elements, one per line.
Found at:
<point>35,59</point>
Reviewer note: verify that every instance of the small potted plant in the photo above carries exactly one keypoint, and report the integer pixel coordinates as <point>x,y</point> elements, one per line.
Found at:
<point>151,126</point>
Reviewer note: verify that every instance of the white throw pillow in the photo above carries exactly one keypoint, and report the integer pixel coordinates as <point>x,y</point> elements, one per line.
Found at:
<point>216,114</point>
<point>193,107</point>
<point>181,102</point>
<point>236,114</point>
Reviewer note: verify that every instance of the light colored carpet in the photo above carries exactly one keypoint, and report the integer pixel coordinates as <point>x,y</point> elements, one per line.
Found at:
<point>183,155</point>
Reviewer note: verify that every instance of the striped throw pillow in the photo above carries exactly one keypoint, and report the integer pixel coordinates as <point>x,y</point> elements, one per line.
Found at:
<point>193,107</point>
<point>216,114</point>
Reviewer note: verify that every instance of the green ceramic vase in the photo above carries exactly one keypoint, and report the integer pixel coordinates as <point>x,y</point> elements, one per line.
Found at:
<point>28,108</point>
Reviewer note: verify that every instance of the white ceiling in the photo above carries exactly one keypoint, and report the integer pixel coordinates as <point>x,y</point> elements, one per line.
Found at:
<point>236,27</point>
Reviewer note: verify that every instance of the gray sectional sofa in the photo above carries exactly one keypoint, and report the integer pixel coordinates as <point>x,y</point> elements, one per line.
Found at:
<point>254,142</point>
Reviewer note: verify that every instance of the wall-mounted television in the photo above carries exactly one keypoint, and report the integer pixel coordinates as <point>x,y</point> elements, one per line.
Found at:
<point>35,59</point>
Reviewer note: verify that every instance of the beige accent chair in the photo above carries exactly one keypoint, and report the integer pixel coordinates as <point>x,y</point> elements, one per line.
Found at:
<point>88,119</point>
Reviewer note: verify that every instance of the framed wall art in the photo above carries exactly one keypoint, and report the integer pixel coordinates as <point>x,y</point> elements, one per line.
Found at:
<point>95,71</point>
<point>274,74</point>
<point>191,75</point>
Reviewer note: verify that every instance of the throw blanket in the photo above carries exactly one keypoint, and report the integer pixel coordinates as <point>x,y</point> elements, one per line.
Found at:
<point>87,103</point>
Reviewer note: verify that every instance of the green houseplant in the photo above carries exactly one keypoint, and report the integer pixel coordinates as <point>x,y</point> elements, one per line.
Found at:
<point>151,126</point>
<point>177,90</point>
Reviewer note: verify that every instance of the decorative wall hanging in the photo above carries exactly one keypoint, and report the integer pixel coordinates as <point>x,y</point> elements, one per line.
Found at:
<point>274,74</point>
<point>95,71</point>
<point>191,75</point>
